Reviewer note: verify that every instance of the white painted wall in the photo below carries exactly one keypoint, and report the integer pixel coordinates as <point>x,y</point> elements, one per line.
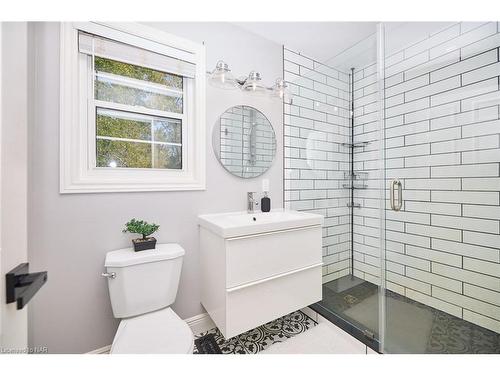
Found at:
<point>14,174</point>
<point>69,235</point>
<point>241,49</point>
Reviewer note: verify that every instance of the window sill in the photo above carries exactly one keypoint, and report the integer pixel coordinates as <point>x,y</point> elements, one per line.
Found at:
<point>80,187</point>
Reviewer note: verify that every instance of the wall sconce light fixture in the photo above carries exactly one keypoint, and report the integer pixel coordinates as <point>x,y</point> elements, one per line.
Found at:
<point>221,77</point>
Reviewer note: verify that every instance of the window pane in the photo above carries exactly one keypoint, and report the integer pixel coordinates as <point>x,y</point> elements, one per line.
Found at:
<point>123,154</point>
<point>167,156</point>
<point>137,72</point>
<point>116,124</point>
<point>107,91</point>
<point>137,86</point>
<point>167,130</point>
<point>124,140</point>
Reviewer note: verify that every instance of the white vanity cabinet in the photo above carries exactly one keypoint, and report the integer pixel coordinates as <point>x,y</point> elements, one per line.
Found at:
<point>256,268</point>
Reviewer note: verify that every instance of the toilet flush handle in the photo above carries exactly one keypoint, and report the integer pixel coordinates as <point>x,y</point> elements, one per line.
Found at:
<point>110,275</point>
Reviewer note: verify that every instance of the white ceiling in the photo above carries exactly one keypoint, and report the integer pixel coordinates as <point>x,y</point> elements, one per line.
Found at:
<point>319,40</point>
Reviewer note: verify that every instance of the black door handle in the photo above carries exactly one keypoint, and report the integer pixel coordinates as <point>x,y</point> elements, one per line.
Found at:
<point>22,286</point>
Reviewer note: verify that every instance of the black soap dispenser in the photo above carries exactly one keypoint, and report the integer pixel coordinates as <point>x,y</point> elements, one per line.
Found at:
<point>265,202</point>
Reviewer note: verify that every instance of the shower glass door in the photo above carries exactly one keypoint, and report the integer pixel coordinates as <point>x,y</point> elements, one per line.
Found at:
<point>440,224</point>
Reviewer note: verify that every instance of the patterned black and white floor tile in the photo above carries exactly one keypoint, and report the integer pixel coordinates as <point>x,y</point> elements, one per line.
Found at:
<point>262,337</point>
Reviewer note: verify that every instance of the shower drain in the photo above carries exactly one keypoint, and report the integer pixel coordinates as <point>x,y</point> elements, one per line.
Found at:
<point>350,299</point>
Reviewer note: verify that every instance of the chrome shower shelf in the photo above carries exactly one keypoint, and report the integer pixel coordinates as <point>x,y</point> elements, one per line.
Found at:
<point>355,205</point>
<point>356,176</point>
<point>349,186</point>
<point>356,144</point>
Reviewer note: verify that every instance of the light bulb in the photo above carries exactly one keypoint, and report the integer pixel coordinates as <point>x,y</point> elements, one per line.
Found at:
<point>280,90</point>
<point>221,77</point>
<point>253,83</point>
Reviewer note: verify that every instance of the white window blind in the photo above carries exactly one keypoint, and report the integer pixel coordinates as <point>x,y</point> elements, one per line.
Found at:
<point>95,45</point>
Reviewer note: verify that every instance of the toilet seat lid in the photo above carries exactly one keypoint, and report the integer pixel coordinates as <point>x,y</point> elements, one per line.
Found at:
<point>129,257</point>
<point>158,332</point>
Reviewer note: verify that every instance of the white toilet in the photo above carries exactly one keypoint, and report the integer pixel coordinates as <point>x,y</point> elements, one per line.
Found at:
<point>142,286</point>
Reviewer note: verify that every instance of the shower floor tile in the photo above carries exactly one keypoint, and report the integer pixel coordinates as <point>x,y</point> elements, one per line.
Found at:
<point>412,327</point>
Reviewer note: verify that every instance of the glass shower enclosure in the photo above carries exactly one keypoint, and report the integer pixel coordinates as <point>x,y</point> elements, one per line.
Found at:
<point>396,141</point>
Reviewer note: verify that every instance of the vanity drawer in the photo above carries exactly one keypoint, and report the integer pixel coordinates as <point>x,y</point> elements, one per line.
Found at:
<point>252,305</point>
<point>257,257</point>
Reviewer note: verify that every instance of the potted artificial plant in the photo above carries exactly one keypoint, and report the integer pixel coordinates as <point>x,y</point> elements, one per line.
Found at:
<point>145,229</point>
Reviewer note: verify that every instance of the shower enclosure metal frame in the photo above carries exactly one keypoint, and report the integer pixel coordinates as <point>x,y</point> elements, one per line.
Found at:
<point>382,179</point>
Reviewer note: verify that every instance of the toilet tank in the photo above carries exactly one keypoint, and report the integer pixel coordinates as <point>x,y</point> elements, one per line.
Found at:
<point>143,281</point>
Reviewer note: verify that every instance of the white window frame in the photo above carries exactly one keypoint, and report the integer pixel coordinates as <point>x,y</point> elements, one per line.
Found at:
<point>78,171</point>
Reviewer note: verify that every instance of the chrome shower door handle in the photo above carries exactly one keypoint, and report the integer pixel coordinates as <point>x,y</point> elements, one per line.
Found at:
<point>396,204</point>
<point>391,194</point>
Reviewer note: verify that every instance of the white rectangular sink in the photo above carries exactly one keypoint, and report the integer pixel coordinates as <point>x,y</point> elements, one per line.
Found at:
<point>235,224</point>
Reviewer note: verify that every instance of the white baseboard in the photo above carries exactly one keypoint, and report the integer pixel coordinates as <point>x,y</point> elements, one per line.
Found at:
<point>198,324</point>
<point>103,350</point>
<point>310,313</point>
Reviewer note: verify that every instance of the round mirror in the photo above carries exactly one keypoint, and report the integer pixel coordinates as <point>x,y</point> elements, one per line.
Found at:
<point>243,140</point>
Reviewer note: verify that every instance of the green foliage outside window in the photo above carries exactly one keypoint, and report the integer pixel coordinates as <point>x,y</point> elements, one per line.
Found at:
<point>138,72</point>
<point>118,127</point>
<point>123,154</point>
<point>123,94</point>
<point>115,124</point>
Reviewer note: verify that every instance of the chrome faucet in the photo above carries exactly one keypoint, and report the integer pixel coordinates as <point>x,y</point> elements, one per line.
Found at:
<point>251,202</point>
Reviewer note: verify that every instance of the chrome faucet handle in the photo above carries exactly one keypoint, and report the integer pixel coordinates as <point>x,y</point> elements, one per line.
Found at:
<point>251,197</point>
<point>251,202</point>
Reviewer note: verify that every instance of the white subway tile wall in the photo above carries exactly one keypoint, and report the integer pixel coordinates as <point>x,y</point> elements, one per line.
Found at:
<point>367,162</point>
<point>316,125</point>
<point>443,143</point>
<point>442,139</point>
